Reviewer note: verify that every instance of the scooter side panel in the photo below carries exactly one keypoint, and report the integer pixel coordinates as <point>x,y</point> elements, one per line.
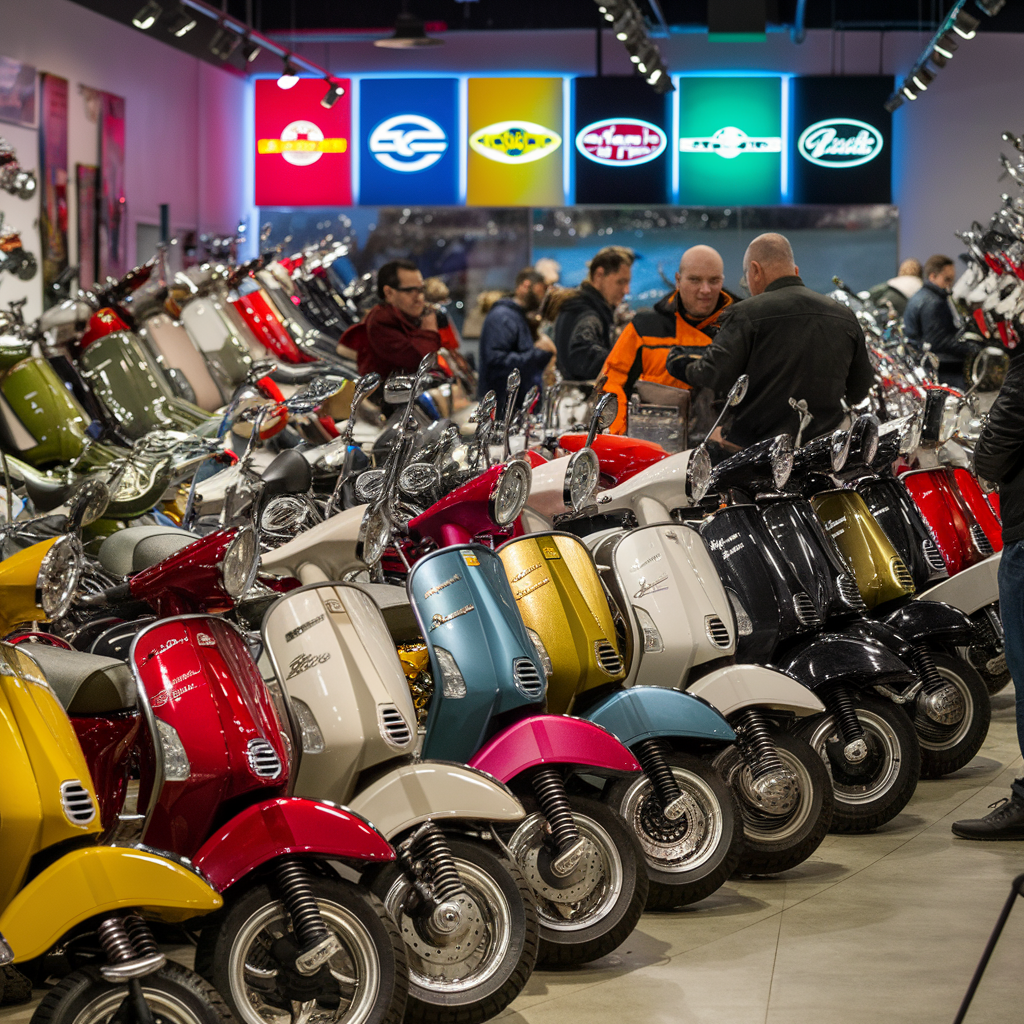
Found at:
<point>99,880</point>
<point>830,658</point>
<point>643,712</point>
<point>553,739</point>
<point>47,410</point>
<point>931,493</point>
<point>175,346</point>
<point>920,621</point>
<point>974,497</point>
<point>433,790</point>
<point>287,825</point>
<point>735,687</point>
<point>970,590</point>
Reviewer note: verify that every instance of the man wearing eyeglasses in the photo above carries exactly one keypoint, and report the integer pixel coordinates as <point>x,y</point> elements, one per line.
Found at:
<point>399,331</point>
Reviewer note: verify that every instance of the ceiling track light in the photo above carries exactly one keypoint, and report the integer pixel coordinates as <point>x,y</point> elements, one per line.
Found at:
<point>946,45</point>
<point>335,90</point>
<point>965,25</point>
<point>938,59</point>
<point>922,78</point>
<point>224,42</point>
<point>148,16</point>
<point>991,7</point>
<point>627,22</point>
<point>909,93</point>
<point>250,49</point>
<point>894,102</point>
<point>182,23</point>
<point>289,75</point>
<point>409,34</point>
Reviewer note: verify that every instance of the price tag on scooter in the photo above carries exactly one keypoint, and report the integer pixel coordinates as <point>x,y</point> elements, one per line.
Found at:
<point>469,558</point>
<point>550,552</point>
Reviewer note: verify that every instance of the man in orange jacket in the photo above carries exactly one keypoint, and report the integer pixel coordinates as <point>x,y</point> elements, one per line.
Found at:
<point>688,316</point>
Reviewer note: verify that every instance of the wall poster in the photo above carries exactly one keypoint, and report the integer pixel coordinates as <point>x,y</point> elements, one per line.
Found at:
<point>53,180</point>
<point>17,92</point>
<point>113,219</point>
<point>87,178</point>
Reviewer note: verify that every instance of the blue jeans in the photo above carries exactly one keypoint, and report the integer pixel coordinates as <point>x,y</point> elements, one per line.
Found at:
<point>1011,611</point>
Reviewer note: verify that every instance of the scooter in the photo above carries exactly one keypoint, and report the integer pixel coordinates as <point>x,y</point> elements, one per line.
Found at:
<point>57,886</point>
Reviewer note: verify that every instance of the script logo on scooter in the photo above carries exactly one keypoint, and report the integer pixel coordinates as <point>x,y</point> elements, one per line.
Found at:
<point>522,575</point>
<point>439,619</point>
<point>408,142</point>
<point>840,142</point>
<point>638,565</point>
<point>433,591</point>
<point>300,663</point>
<point>173,691</point>
<point>205,640</point>
<point>654,587</point>
<point>299,630</point>
<point>163,648</point>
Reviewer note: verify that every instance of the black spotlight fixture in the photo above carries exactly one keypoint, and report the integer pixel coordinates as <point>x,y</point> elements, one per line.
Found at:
<point>965,25</point>
<point>630,29</point>
<point>182,23</point>
<point>991,7</point>
<point>409,33</point>
<point>335,90</point>
<point>893,102</point>
<point>250,49</point>
<point>946,45</point>
<point>922,78</point>
<point>224,42</point>
<point>147,17</point>
<point>289,75</point>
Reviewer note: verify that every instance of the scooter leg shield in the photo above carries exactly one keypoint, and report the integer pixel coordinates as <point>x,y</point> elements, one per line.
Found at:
<point>970,589</point>
<point>287,825</point>
<point>553,739</point>
<point>735,687</point>
<point>645,712</point>
<point>832,658</point>
<point>99,880</point>
<point>415,793</point>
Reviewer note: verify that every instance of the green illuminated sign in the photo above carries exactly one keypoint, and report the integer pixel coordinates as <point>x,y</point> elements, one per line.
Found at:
<point>730,141</point>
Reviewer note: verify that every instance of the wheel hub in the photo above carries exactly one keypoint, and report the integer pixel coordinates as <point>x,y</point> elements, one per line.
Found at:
<point>945,705</point>
<point>538,866</point>
<point>845,769</point>
<point>449,934</point>
<point>678,837</point>
<point>776,793</point>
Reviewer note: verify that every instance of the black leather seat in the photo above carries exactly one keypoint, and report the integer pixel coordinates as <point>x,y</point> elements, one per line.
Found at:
<point>138,547</point>
<point>46,495</point>
<point>289,473</point>
<point>85,684</point>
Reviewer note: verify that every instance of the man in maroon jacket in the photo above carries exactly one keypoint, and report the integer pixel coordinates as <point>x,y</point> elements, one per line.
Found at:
<point>397,333</point>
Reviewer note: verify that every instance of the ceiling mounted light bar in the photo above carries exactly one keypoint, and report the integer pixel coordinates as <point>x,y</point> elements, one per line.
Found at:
<point>957,25</point>
<point>630,28</point>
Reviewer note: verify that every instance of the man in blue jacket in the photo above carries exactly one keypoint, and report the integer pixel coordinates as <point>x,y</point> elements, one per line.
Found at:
<point>506,341</point>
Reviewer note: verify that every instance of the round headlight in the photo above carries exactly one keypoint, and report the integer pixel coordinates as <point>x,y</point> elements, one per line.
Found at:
<point>698,474</point>
<point>581,476</point>
<point>419,478</point>
<point>864,440</point>
<point>782,460</point>
<point>89,503</point>
<point>950,416</point>
<point>369,485</point>
<point>286,513</point>
<point>510,491</point>
<point>374,537</point>
<point>58,577</point>
<point>911,437</point>
<point>840,449</point>
<point>241,562</point>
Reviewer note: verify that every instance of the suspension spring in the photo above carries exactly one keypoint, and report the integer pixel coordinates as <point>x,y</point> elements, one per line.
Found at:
<point>651,755</point>
<point>840,703</point>
<point>297,894</point>
<point>925,668</point>
<point>433,848</point>
<point>140,936</point>
<point>549,788</point>
<point>115,942</point>
<point>756,744</point>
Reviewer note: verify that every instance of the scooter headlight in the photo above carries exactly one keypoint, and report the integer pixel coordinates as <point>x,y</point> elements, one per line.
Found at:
<point>286,513</point>
<point>374,537</point>
<point>241,563</point>
<point>840,448</point>
<point>59,574</point>
<point>369,485</point>
<point>782,460</point>
<point>419,478</point>
<point>910,440</point>
<point>510,492</point>
<point>950,418</point>
<point>698,474</point>
<point>542,652</point>
<point>581,476</point>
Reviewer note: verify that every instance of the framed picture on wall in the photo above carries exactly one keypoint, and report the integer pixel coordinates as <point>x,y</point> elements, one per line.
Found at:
<point>87,178</point>
<point>17,92</point>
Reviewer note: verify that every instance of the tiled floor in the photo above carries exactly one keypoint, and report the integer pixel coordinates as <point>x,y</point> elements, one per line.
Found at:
<point>878,929</point>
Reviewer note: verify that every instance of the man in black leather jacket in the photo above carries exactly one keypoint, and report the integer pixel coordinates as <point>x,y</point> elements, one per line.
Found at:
<point>793,342</point>
<point>999,458</point>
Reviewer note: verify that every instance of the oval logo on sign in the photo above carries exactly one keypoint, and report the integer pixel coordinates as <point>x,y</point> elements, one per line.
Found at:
<point>408,142</point>
<point>515,142</point>
<point>840,142</point>
<point>621,142</point>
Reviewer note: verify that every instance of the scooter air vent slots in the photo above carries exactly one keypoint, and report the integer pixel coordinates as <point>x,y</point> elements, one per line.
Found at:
<point>806,613</point>
<point>717,631</point>
<point>527,678</point>
<point>933,556</point>
<point>902,574</point>
<point>263,760</point>
<point>393,727</point>
<point>77,803</point>
<point>608,657</point>
<point>981,542</point>
<point>849,591</point>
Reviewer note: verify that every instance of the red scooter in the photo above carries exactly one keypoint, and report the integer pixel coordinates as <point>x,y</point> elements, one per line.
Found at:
<point>191,714</point>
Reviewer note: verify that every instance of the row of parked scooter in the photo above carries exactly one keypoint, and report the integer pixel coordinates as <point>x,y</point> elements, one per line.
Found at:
<point>411,716</point>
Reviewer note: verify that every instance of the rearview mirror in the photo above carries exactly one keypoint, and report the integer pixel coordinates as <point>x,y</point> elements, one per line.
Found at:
<point>739,390</point>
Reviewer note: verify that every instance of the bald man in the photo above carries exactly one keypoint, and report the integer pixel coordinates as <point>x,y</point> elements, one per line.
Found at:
<point>794,343</point>
<point>687,317</point>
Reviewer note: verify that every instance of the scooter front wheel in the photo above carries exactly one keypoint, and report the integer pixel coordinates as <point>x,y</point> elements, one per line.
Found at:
<point>690,857</point>
<point>174,995</point>
<point>249,951</point>
<point>466,968</point>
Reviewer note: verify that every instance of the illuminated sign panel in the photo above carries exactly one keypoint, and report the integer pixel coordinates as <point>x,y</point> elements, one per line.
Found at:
<point>730,141</point>
<point>303,151</point>
<point>841,139</point>
<point>409,145</point>
<point>621,141</point>
<point>515,142</point>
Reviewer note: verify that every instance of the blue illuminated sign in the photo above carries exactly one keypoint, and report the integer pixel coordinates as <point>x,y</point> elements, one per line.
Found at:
<point>409,150</point>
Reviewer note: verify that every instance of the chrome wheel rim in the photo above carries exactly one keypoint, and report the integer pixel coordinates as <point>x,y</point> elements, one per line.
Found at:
<point>774,828</point>
<point>892,756</point>
<point>957,732</point>
<point>684,844</point>
<point>355,966</point>
<point>165,1007</point>
<point>596,884</point>
<point>429,968</point>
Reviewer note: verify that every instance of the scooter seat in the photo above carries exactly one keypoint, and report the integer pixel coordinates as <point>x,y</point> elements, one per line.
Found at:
<point>289,473</point>
<point>397,611</point>
<point>85,684</point>
<point>138,547</point>
<point>46,495</point>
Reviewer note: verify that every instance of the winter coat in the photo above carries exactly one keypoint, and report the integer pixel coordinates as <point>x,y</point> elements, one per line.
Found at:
<point>999,454</point>
<point>928,319</point>
<point>388,340</point>
<point>583,334</point>
<point>506,343</point>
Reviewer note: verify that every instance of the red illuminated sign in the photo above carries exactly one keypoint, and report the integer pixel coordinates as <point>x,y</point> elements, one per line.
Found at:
<point>303,150</point>
<point>621,142</point>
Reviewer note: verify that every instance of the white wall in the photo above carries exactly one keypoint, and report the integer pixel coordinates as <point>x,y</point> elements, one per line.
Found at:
<point>946,144</point>
<point>185,124</point>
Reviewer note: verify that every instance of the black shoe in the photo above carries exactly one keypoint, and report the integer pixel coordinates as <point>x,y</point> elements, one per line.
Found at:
<point>1005,822</point>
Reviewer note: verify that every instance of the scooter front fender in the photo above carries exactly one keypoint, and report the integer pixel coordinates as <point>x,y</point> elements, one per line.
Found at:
<point>736,687</point>
<point>553,739</point>
<point>971,589</point>
<point>831,658</point>
<point>287,825</point>
<point>643,712</point>
<point>434,790</point>
<point>920,621</point>
<point>100,880</point>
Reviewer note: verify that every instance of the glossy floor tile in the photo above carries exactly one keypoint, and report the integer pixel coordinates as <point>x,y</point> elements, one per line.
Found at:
<point>877,929</point>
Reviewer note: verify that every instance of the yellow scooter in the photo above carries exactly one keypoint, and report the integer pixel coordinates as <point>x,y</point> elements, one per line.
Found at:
<point>58,886</point>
